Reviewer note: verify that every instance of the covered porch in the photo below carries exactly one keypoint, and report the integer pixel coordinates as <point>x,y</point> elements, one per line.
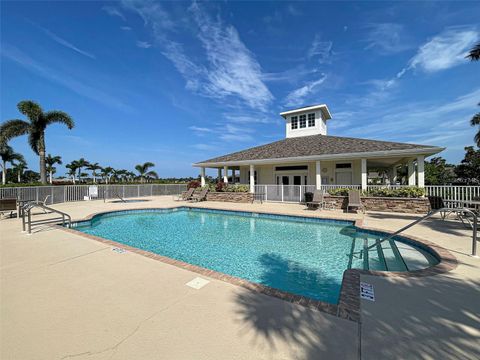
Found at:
<point>355,172</point>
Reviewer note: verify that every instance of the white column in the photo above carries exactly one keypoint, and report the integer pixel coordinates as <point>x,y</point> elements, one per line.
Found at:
<point>364,174</point>
<point>202,176</point>
<point>394,174</point>
<point>252,178</point>
<point>411,173</point>
<point>421,170</point>
<point>219,174</point>
<point>318,175</point>
<point>233,176</point>
<point>225,174</point>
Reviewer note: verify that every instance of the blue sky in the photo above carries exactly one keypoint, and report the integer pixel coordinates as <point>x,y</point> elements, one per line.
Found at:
<point>179,82</point>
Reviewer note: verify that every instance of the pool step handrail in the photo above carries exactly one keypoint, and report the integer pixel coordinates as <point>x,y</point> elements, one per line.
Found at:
<point>430,214</point>
<point>26,211</point>
<point>115,193</point>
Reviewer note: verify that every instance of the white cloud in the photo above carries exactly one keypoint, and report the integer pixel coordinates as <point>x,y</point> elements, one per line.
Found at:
<point>113,11</point>
<point>64,42</point>
<point>225,132</point>
<point>126,28</point>
<point>143,44</point>
<point>297,97</point>
<point>78,86</point>
<point>445,50</point>
<point>321,50</point>
<point>204,147</point>
<point>228,68</point>
<point>387,38</point>
<point>233,70</point>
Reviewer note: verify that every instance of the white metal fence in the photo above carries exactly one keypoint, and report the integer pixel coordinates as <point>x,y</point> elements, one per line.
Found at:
<point>296,193</point>
<point>66,193</point>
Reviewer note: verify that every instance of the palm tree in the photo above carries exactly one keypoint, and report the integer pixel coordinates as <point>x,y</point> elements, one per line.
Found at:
<point>474,54</point>
<point>50,162</point>
<point>93,167</point>
<point>475,121</point>
<point>106,172</point>
<point>19,168</point>
<point>81,163</point>
<point>73,166</point>
<point>8,156</point>
<point>143,170</point>
<point>38,120</point>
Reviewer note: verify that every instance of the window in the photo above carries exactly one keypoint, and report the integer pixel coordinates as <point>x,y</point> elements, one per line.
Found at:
<point>288,168</point>
<point>294,122</point>
<point>311,120</point>
<point>303,121</point>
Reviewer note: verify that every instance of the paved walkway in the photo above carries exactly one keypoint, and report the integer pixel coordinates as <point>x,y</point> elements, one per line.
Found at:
<point>64,296</point>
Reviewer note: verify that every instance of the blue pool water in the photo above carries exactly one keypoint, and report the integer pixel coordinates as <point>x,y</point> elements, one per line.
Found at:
<point>299,255</point>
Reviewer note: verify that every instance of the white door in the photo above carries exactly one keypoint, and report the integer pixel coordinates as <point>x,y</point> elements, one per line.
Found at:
<point>344,178</point>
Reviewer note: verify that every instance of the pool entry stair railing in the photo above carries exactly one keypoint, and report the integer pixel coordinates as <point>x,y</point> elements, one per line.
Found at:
<point>27,222</point>
<point>459,211</point>
<point>114,193</point>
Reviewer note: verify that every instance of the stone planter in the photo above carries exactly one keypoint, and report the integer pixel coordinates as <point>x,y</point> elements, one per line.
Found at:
<point>386,204</point>
<point>238,197</point>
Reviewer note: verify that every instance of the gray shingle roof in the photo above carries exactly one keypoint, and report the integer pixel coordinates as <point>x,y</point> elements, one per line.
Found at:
<point>313,145</point>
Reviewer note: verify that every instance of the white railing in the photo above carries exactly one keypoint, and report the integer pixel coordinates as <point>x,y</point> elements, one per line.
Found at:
<point>67,193</point>
<point>296,193</point>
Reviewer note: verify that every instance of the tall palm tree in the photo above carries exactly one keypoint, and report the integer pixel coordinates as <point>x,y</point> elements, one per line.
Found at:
<point>93,167</point>
<point>72,167</point>
<point>19,168</point>
<point>144,172</point>
<point>81,163</point>
<point>106,172</point>
<point>474,54</point>
<point>38,120</point>
<point>8,156</point>
<point>50,162</point>
<point>475,121</point>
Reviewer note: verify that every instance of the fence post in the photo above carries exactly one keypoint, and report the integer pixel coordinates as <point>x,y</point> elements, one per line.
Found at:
<point>266,193</point>
<point>282,191</point>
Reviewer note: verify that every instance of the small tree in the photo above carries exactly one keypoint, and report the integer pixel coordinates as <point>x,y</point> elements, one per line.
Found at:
<point>8,156</point>
<point>51,161</point>
<point>145,172</point>
<point>469,169</point>
<point>438,172</point>
<point>18,168</point>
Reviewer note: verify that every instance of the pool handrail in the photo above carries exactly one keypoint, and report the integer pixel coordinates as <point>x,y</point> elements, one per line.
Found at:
<point>430,214</point>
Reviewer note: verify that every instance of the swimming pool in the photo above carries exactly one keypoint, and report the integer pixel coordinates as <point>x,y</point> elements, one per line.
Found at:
<point>300,255</point>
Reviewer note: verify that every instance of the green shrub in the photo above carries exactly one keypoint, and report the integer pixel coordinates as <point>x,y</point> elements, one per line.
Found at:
<point>237,188</point>
<point>403,192</point>
<point>338,192</point>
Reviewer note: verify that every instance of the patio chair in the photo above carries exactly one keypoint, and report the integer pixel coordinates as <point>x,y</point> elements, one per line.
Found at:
<point>8,205</point>
<point>355,201</point>
<point>317,201</point>
<point>187,195</point>
<point>201,196</point>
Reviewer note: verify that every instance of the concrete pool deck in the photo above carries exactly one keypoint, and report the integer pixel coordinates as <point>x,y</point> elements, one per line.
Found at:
<point>65,296</point>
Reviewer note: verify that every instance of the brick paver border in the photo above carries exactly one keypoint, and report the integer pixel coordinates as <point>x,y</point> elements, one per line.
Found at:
<point>348,306</point>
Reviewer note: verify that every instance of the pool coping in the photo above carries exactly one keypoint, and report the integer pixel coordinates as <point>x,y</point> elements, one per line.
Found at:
<point>348,306</point>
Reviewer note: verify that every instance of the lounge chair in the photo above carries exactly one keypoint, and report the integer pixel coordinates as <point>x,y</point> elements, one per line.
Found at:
<point>201,196</point>
<point>317,201</point>
<point>8,205</point>
<point>355,201</point>
<point>187,195</point>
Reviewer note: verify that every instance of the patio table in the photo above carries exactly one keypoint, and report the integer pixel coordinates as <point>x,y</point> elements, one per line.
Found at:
<point>458,205</point>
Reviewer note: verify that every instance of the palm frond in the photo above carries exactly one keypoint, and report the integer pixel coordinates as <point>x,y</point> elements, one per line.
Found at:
<point>33,138</point>
<point>475,119</point>
<point>152,174</point>
<point>474,54</point>
<point>13,128</point>
<point>30,109</point>
<point>477,138</point>
<point>56,116</point>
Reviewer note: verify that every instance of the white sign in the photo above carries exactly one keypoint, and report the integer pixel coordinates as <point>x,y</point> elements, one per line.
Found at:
<point>367,292</point>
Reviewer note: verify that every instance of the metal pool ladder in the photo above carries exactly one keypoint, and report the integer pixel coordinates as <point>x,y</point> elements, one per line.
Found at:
<point>26,212</point>
<point>430,214</point>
